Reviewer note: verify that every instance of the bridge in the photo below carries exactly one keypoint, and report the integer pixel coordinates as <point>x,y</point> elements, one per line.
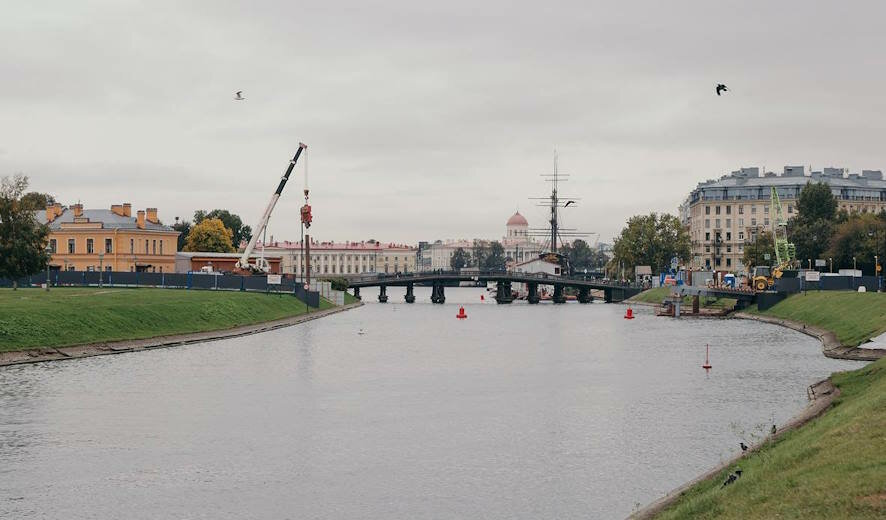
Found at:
<point>438,280</point>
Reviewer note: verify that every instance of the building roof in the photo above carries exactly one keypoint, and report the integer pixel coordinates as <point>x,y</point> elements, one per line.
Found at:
<point>339,246</point>
<point>106,217</point>
<point>517,220</point>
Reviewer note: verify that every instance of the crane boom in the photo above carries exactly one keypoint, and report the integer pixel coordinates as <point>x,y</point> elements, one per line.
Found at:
<point>243,263</point>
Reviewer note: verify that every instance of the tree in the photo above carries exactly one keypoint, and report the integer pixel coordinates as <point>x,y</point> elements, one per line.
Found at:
<point>755,252</point>
<point>495,259</point>
<point>581,256</point>
<point>861,237</point>
<point>651,240</point>
<point>22,239</point>
<point>184,228</point>
<point>816,202</point>
<point>459,259</point>
<point>479,253</point>
<point>36,200</point>
<point>210,235</point>
<point>231,221</point>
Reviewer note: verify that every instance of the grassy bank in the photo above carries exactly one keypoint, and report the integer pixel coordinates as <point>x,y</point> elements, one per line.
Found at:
<point>658,294</point>
<point>833,467</point>
<point>73,316</point>
<point>853,317</point>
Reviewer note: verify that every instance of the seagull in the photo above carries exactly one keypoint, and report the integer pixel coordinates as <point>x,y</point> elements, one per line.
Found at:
<point>744,447</point>
<point>238,96</point>
<point>568,203</point>
<point>361,332</point>
<point>721,88</point>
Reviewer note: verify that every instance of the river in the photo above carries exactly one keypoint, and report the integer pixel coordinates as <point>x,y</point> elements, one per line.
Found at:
<point>400,411</point>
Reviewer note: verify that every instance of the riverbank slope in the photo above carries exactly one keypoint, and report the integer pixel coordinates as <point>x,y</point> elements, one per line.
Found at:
<point>832,467</point>
<point>32,318</point>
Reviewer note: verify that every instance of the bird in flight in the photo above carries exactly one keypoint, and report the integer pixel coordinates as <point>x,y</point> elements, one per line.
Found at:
<point>239,96</point>
<point>568,203</point>
<point>721,88</point>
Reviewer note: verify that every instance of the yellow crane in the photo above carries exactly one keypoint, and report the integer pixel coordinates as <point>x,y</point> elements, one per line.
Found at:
<point>785,252</point>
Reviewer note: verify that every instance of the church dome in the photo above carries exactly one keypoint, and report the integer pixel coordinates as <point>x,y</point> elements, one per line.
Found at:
<point>517,220</point>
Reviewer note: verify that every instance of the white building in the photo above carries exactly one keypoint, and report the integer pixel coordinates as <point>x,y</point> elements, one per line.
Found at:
<point>517,243</point>
<point>344,258</point>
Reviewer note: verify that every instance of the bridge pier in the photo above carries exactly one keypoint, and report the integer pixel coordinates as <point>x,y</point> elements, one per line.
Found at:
<point>532,296</point>
<point>410,297</point>
<point>437,293</point>
<point>503,292</point>
<point>584,295</point>
<point>559,295</point>
<point>357,293</point>
<point>382,294</point>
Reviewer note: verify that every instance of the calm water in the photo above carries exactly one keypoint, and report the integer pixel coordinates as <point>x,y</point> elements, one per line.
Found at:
<point>517,412</point>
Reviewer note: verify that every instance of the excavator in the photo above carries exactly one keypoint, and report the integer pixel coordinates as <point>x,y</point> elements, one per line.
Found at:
<point>785,252</point>
<point>261,265</point>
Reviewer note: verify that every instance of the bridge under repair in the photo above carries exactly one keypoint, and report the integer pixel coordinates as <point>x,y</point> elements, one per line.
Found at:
<point>503,280</point>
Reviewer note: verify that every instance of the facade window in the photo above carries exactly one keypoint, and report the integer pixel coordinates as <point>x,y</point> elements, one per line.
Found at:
<point>154,247</point>
<point>717,226</point>
<point>707,263</point>
<point>753,210</point>
<point>766,209</point>
<point>146,245</point>
<point>707,249</point>
<point>333,268</point>
<point>728,222</point>
<point>52,245</point>
<point>109,245</point>
<point>707,223</point>
<point>161,268</point>
<point>741,222</point>
<point>718,210</point>
<point>89,246</point>
<point>728,262</point>
<point>131,245</point>
<point>161,248</point>
<point>741,235</point>
<point>717,261</point>
<point>325,269</point>
<point>707,236</point>
<point>766,221</point>
<point>729,236</point>
<point>741,210</point>
<point>790,208</point>
<point>729,210</point>
<point>728,249</point>
<point>753,222</point>
<point>707,210</point>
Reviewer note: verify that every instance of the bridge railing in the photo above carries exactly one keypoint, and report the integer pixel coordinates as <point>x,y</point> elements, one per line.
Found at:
<point>478,275</point>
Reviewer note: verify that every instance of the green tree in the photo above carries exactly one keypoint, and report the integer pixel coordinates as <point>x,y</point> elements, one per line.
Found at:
<point>210,235</point>
<point>479,253</point>
<point>22,239</point>
<point>495,260</point>
<point>860,237</point>
<point>460,258</point>
<point>231,221</point>
<point>184,228</point>
<point>756,250</point>
<point>816,202</point>
<point>36,200</point>
<point>651,240</point>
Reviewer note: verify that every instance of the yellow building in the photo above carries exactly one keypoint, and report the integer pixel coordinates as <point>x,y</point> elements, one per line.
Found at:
<point>112,240</point>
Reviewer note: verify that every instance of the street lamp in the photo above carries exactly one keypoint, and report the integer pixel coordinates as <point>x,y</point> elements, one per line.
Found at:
<point>49,253</point>
<point>101,257</point>
<point>831,264</point>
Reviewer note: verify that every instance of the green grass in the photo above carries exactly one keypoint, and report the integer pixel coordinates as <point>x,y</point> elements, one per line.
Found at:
<point>658,294</point>
<point>72,316</point>
<point>853,317</point>
<point>833,467</point>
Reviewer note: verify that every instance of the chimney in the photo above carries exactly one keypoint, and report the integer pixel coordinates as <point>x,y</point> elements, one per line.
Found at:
<point>78,209</point>
<point>127,209</point>
<point>53,211</point>
<point>140,222</point>
<point>117,209</point>
<point>152,215</point>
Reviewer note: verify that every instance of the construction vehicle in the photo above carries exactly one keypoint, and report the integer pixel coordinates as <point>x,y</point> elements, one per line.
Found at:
<point>261,265</point>
<point>785,252</point>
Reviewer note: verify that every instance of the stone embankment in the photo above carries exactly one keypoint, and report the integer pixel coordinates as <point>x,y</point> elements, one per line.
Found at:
<point>39,355</point>
<point>830,346</point>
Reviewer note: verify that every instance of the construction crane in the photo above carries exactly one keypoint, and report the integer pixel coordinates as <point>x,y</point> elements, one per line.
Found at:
<point>261,265</point>
<point>785,252</point>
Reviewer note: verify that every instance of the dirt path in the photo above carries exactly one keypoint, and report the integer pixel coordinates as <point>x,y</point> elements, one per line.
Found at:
<point>39,355</point>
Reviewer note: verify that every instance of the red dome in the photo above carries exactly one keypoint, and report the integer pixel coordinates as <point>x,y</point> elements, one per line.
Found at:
<point>517,220</point>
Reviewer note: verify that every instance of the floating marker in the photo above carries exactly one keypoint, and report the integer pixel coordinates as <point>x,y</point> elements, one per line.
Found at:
<point>707,358</point>
<point>629,315</point>
<point>461,313</point>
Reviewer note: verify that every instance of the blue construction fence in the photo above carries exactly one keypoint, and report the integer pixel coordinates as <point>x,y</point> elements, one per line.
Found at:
<point>201,281</point>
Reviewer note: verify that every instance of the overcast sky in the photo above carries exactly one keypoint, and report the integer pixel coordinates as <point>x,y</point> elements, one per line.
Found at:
<point>431,120</point>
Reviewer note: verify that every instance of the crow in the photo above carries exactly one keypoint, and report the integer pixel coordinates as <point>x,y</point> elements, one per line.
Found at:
<point>773,430</point>
<point>729,480</point>
<point>744,447</point>
<point>239,96</point>
<point>738,472</point>
<point>721,88</point>
<point>568,203</point>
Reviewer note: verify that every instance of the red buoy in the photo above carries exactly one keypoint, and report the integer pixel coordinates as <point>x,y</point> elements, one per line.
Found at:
<point>629,315</point>
<point>707,359</point>
<point>482,297</point>
<point>461,313</point>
